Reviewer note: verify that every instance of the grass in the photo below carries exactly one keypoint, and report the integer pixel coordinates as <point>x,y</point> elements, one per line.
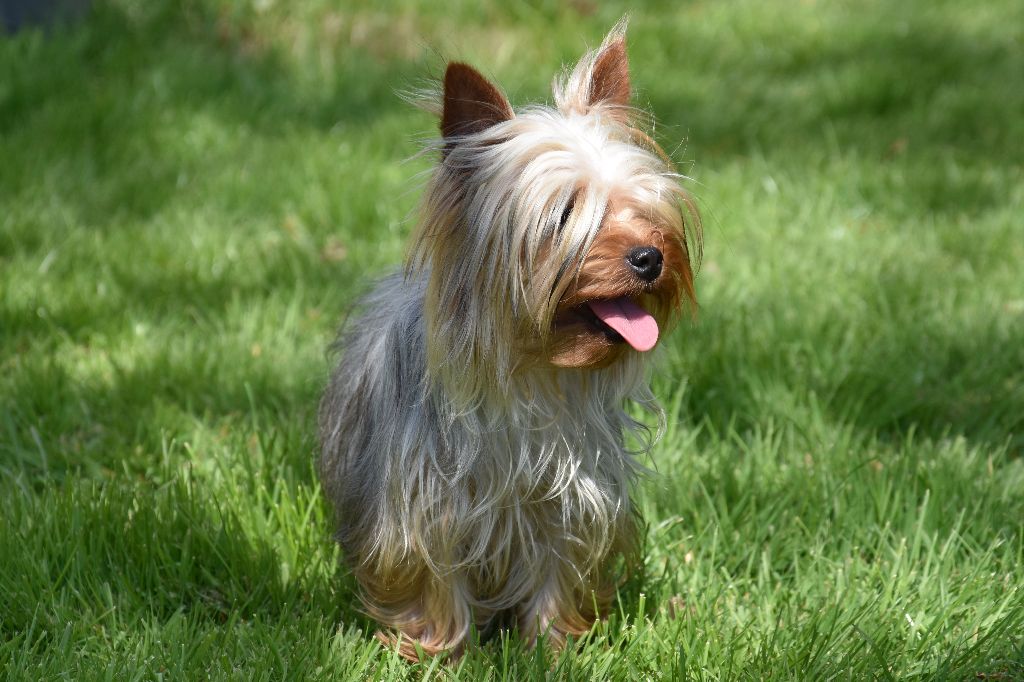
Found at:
<point>192,191</point>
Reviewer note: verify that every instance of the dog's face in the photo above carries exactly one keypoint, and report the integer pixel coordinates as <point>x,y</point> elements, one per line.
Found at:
<point>631,283</point>
<point>553,235</point>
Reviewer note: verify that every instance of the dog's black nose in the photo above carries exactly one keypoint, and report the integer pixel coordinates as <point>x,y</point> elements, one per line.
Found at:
<point>645,262</point>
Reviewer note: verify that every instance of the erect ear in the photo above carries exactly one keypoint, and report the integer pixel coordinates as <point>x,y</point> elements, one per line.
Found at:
<point>471,102</point>
<point>609,79</point>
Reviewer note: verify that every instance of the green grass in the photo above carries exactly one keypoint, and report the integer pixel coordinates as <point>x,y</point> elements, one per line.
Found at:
<point>192,192</point>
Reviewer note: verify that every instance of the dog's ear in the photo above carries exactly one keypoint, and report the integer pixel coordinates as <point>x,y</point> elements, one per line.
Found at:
<point>609,79</point>
<point>471,102</point>
<point>601,77</point>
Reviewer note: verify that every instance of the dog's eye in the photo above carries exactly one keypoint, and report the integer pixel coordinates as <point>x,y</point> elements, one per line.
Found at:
<point>566,212</point>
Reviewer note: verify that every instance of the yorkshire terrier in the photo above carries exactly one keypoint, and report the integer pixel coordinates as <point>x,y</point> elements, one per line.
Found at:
<point>474,437</point>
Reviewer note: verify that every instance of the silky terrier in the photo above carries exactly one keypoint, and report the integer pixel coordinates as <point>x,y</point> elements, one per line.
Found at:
<point>476,450</point>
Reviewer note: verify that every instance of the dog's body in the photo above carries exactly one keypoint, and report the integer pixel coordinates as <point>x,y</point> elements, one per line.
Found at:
<point>473,433</point>
<point>507,506</point>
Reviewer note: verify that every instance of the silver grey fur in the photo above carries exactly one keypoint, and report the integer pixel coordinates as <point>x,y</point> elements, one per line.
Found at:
<point>469,478</point>
<point>511,502</point>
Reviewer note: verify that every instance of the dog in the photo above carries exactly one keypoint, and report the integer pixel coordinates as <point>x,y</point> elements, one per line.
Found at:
<point>475,446</point>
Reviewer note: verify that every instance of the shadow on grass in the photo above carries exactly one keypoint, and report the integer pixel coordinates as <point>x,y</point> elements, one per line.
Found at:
<point>101,105</point>
<point>62,425</point>
<point>935,378</point>
<point>909,85</point>
<point>155,552</point>
<point>158,295</point>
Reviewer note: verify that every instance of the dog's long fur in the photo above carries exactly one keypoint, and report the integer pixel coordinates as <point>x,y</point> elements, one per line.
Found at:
<point>473,432</point>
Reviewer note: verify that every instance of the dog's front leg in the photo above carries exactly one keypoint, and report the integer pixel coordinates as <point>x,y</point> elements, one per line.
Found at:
<point>432,616</point>
<point>555,610</point>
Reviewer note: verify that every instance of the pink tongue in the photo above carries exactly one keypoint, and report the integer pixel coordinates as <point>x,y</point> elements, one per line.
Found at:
<point>632,322</point>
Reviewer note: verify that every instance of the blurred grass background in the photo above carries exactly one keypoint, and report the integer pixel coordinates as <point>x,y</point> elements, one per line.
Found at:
<point>193,191</point>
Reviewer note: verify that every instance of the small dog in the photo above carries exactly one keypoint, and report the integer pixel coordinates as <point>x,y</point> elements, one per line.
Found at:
<point>473,434</point>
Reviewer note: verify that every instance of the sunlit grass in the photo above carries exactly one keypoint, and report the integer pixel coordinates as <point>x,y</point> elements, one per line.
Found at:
<point>193,192</point>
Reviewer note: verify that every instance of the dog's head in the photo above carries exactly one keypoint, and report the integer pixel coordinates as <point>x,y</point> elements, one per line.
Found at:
<point>552,235</point>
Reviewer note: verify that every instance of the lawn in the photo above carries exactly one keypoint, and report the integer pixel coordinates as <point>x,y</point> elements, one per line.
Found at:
<point>192,192</point>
